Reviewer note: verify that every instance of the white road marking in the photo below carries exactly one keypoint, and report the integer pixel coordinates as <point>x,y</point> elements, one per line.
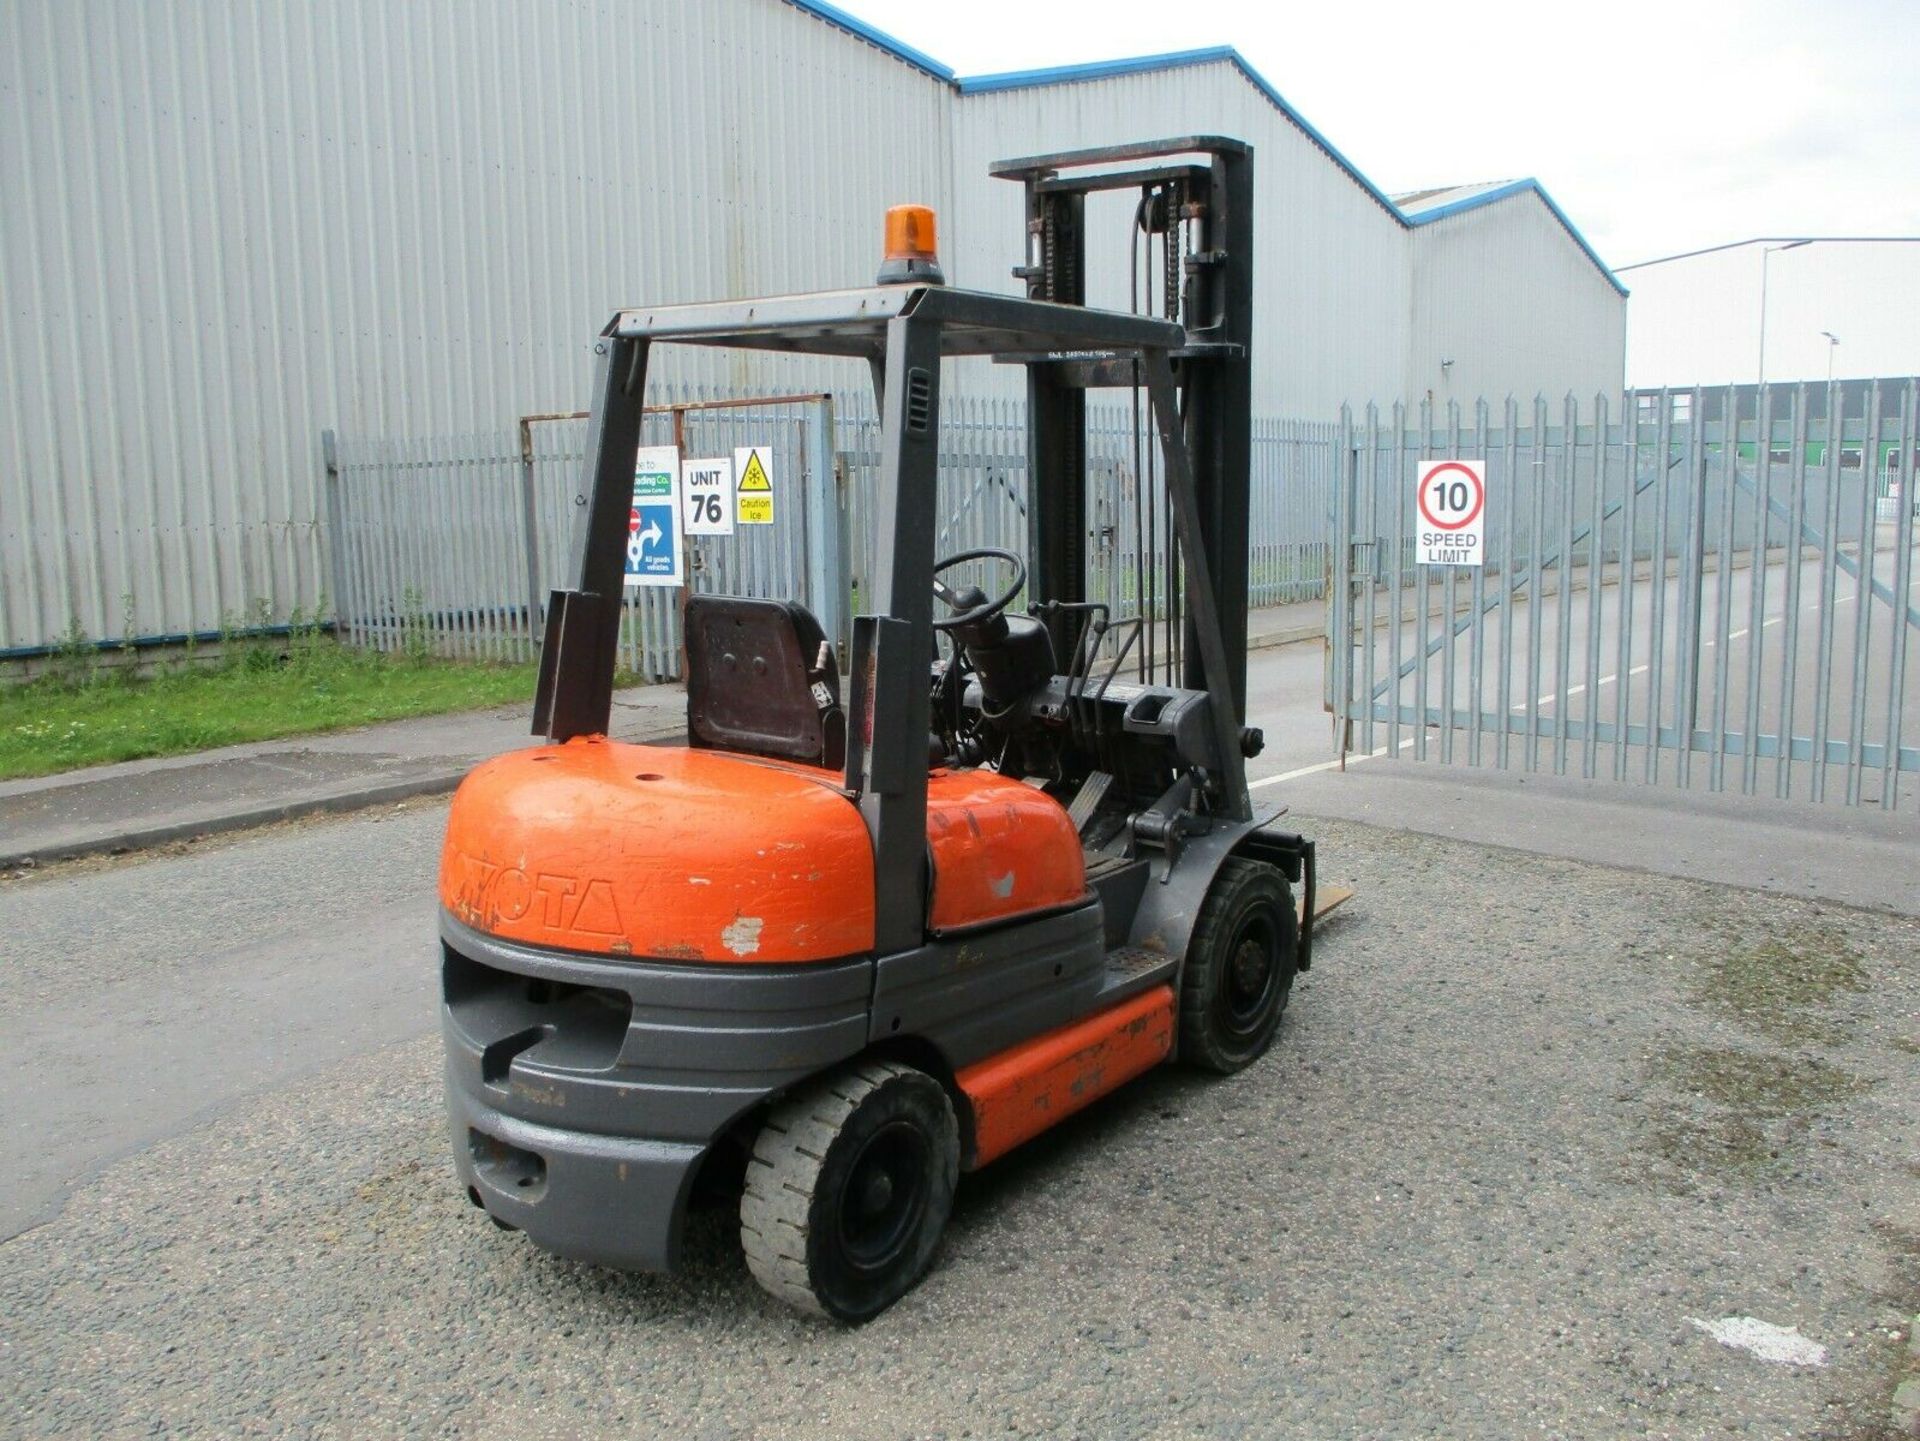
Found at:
<point>1547,699</point>
<point>1307,771</point>
<point>1574,690</point>
<point>1351,760</point>
<point>1782,1345</point>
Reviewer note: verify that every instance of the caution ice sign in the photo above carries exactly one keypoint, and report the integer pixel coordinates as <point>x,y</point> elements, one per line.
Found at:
<point>706,496</point>
<point>1450,503</point>
<point>655,555</point>
<point>753,494</point>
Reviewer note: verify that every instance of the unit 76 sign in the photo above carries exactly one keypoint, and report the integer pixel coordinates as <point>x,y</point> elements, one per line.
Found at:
<point>706,492</point>
<point>1450,499</point>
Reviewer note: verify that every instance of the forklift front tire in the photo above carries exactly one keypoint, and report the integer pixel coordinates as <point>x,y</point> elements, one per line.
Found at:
<point>849,1188</point>
<point>1239,969</point>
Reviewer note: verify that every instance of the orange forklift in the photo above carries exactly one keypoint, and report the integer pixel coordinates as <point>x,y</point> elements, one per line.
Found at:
<point>862,933</point>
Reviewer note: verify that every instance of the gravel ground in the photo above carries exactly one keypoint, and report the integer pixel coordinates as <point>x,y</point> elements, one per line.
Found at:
<point>1527,1118</point>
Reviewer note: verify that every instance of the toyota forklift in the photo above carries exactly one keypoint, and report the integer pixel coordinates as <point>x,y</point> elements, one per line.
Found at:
<point>866,930</point>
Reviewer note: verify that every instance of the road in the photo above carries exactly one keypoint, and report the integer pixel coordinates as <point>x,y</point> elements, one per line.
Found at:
<point>1516,1135</point>
<point>249,938</point>
<point>151,995</point>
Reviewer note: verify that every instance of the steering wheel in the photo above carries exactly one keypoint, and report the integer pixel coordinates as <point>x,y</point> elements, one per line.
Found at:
<point>986,609</point>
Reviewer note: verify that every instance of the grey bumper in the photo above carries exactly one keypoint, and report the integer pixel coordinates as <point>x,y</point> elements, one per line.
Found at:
<point>583,1092</point>
<point>594,1198</point>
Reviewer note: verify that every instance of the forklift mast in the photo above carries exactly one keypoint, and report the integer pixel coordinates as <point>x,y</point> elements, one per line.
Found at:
<point>1202,212</point>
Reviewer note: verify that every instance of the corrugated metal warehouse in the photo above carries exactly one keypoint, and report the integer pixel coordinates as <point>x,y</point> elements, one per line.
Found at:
<point>1551,321</point>
<point>231,226</point>
<point>1357,298</point>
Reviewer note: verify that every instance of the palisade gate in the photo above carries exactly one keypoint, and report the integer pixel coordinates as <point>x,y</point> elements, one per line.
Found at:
<point>1662,596</point>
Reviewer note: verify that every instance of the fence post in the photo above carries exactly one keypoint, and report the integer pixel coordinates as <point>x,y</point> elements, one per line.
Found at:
<point>336,532</point>
<point>827,578</point>
<point>1339,591</point>
<point>530,533</point>
<point>1693,582</point>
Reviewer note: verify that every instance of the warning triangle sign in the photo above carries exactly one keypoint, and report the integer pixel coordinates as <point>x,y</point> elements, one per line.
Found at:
<point>754,477</point>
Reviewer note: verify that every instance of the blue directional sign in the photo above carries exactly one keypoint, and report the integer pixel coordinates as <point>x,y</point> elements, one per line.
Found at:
<point>655,552</point>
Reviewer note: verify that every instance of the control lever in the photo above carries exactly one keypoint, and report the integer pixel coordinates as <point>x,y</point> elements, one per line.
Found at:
<point>1169,821</point>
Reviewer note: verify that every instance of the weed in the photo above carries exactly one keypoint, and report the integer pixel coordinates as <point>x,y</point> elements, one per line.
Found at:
<point>1759,1084</point>
<point>75,661</point>
<point>306,633</point>
<point>126,631</point>
<point>1781,986</point>
<point>1740,1115</point>
<point>257,651</point>
<point>1719,1143</point>
<point>415,641</point>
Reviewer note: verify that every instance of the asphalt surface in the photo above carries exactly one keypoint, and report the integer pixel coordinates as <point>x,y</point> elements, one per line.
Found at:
<point>1529,1119</point>
<point>142,997</point>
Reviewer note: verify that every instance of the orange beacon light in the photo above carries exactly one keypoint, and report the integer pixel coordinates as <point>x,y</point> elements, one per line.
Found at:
<point>913,247</point>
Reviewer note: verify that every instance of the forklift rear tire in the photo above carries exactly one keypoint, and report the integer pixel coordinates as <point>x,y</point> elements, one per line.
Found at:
<point>848,1189</point>
<point>1239,969</point>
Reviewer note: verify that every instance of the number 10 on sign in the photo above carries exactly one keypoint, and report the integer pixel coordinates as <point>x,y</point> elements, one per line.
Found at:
<point>1450,512</point>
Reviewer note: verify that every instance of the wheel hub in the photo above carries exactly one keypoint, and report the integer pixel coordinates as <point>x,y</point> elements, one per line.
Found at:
<point>1252,971</point>
<point>878,1193</point>
<point>884,1197</point>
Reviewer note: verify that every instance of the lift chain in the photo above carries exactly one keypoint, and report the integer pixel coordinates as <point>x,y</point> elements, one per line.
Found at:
<point>1047,242</point>
<point>1186,251</point>
<point>1172,196</point>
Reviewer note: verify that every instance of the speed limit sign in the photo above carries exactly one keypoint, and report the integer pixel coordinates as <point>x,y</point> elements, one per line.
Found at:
<point>1450,504</point>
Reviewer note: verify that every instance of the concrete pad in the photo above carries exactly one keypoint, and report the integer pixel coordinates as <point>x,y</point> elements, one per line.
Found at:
<point>1849,854</point>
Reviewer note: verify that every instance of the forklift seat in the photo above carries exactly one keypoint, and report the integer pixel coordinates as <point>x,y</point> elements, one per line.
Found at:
<point>761,679</point>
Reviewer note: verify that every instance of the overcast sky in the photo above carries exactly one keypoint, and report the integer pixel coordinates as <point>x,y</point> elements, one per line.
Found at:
<point>1659,125</point>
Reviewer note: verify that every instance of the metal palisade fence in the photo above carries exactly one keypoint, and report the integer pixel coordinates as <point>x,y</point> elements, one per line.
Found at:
<point>450,545</point>
<point>1132,561</point>
<point>1713,589</point>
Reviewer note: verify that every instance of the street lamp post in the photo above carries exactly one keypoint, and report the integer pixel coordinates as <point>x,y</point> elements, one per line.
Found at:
<point>1833,344</point>
<point>1766,254</point>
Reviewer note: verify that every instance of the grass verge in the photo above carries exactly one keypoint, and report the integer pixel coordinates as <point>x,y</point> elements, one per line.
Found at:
<point>83,715</point>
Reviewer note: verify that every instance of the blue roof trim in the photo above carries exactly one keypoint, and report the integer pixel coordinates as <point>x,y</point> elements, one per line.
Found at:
<point>1504,192</point>
<point>1092,70</point>
<point>1421,215</point>
<point>1175,60</point>
<point>835,16</point>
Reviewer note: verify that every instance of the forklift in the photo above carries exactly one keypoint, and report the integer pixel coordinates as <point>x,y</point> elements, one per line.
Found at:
<point>865,931</point>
